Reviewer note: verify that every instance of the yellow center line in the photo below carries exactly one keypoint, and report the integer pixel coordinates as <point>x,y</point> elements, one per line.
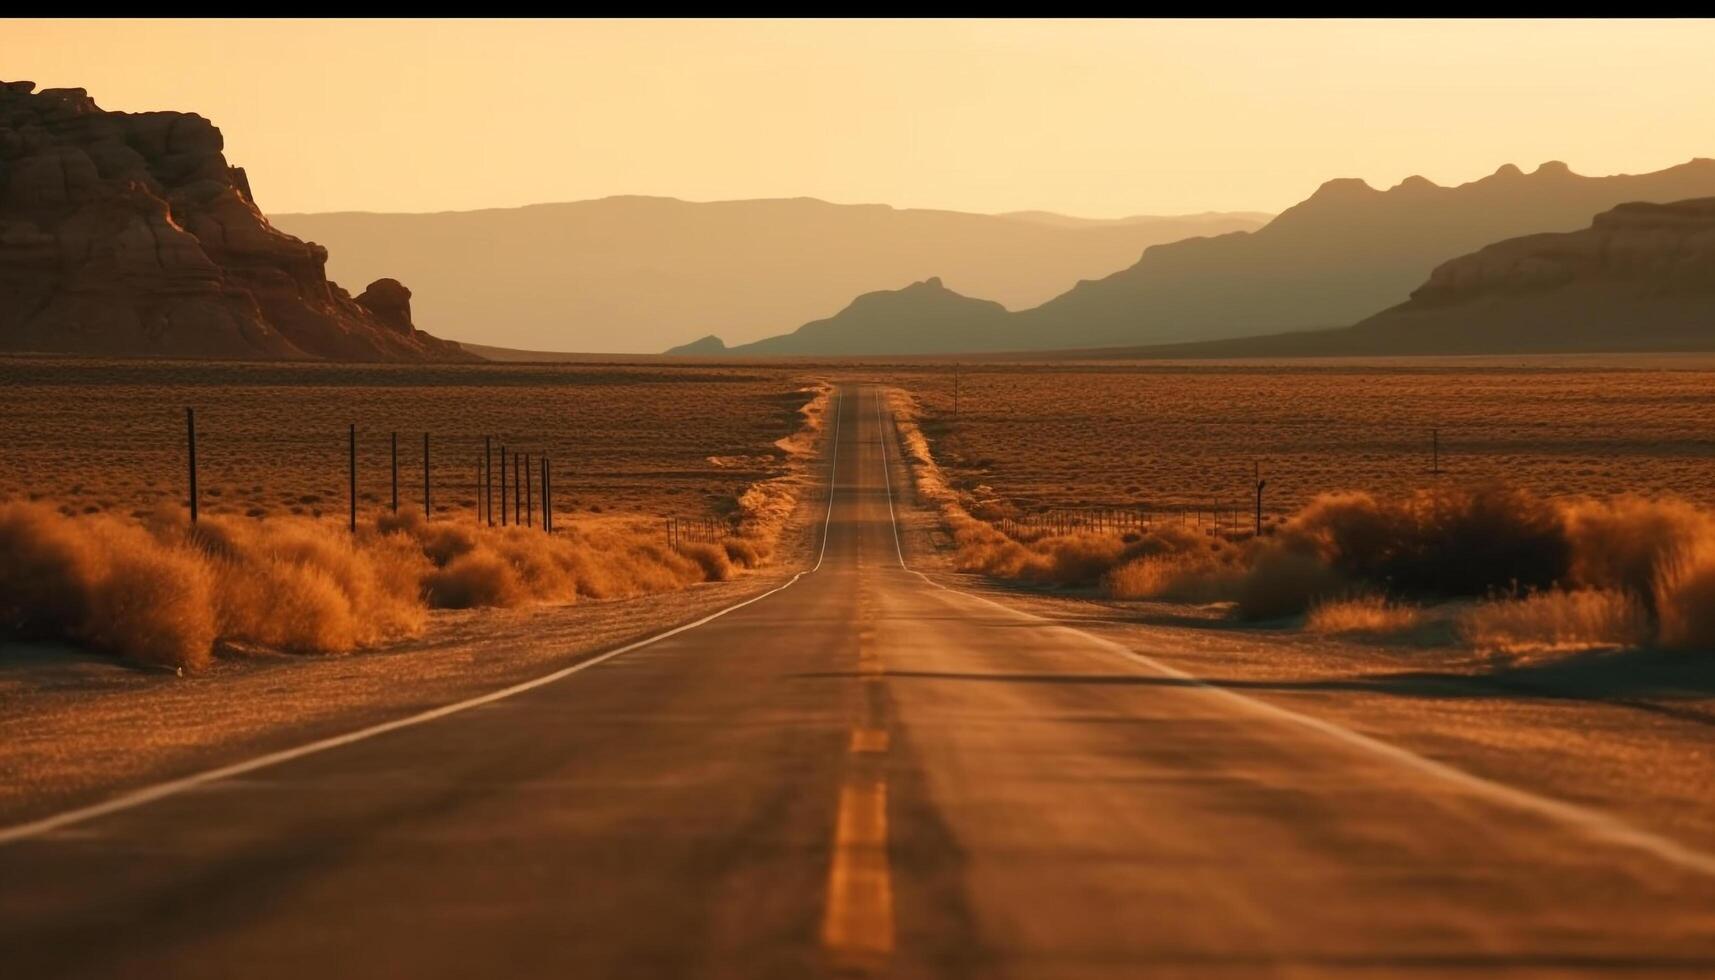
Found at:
<point>869,741</point>
<point>857,926</point>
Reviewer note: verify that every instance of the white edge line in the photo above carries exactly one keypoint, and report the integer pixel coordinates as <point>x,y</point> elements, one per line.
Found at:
<point>887,476</point>
<point>1593,823</point>
<point>149,794</point>
<point>833,467</point>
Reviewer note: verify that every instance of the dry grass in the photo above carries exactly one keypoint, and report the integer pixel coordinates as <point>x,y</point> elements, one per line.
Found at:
<point>1616,571</point>
<point>1557,621</point>
<point>108,436</point>
<point>1171,435</point>
<point>157,589</point>
<point>1363,616</point>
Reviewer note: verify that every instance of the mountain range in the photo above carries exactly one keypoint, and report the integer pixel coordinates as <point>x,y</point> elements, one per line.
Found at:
<point>644,273</point>
<point>1344,254</point>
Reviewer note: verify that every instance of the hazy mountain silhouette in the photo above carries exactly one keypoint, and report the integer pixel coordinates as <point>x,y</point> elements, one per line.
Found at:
<point>1209,222</point>
<point>1346,252</point>
<point>923,318</point>
<point>1641,277</point>
<point>648,272</point>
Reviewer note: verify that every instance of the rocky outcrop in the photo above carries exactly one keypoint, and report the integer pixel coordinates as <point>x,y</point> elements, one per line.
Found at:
<point>1641,277</point>
<point>1659,248</point>
<point>1344,253</point>
<point>129,234</point>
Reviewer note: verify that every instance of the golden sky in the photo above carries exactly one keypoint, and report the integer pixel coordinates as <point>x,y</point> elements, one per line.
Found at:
<point>1098,119</point>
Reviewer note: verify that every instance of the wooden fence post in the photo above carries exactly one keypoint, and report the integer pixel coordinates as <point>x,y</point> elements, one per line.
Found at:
<point>503,485</point>
<point>1260,483</point>
<point>529,503</point>
<point>393,441</point>
<point>486,497</point>
<point>191,440</point>
<point>425,476</point>
<point>352,472</point>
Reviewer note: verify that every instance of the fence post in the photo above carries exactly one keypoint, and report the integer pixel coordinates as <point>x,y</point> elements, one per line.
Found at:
<point>425,476</point>
<point>352,472</point>
<point>191,440</point>
<point>1435,451</point>
<point>529,504</point>
<point>547,501</point>
<point>394,443</point>
<point>502,486</point>
<point>1260,483</point>
<point>486,497</point>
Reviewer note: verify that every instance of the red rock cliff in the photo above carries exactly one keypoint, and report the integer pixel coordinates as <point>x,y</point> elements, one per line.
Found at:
<point>129,234</point>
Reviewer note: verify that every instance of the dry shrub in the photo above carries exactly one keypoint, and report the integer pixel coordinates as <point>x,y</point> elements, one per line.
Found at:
<point>1282,582</point>
<point>1363,615</point>
<point>1192,576</point>
<point>1615,572</point>
<point>475,579</point>
<point>1685,598</point>
<point>165,591</point>
<point>98,581</point>
<point>1556,620</point>
<point>1448,542</point>
<point>1623,543</point>
<point>711,558</point>
<point>152,605</point>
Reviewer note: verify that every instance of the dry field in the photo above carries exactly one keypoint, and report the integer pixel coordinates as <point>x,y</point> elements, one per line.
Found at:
<point>1573,502</point>
<point>96,548</point>
<point>1183,435</point>
<point>109,436</point>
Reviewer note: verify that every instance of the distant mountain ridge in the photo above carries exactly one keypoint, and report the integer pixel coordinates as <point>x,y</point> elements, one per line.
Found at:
<point>922,318</point>
<point>1640,277</point>
<point>1345,253</point>
<point>644,273</point>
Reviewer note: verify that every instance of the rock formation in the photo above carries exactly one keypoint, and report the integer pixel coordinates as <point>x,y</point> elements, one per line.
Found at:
<point>1641,277</point>
<point>129,234</point>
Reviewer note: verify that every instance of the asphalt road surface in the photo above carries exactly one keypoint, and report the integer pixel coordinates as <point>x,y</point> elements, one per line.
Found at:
<point>862,773</point>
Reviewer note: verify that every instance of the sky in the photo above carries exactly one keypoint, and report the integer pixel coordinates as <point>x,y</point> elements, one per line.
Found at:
<point>1090,118</point>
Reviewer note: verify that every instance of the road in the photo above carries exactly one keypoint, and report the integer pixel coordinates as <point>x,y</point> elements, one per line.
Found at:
<point>863,773</point>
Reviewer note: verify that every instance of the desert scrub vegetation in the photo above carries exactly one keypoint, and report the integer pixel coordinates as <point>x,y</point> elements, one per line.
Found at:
<point>161,590</point>
<point>1363,616</point>
<point>1184,434</point>
<point>1551,573</point>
